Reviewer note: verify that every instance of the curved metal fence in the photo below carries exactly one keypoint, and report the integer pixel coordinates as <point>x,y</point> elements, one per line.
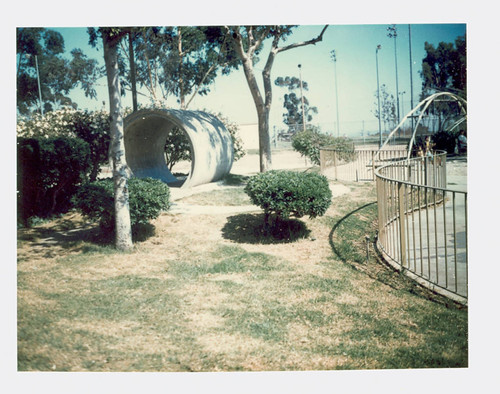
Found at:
<point>423,224</point>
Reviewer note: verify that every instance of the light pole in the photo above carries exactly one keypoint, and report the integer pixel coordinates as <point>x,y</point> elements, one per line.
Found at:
<point>378,96</point>
<point>402,110</point>
<point>302,99</point>
<point>393,34</point>
<point>38,81</point>
<point>411,75</point>
<point>334,58</point>
<point>402,102</point>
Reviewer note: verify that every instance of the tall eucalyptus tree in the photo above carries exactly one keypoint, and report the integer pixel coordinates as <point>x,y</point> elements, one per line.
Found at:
<point>248,43</point>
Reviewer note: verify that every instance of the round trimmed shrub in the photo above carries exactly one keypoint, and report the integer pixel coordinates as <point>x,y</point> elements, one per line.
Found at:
<point>147,199</point>
<point>289,193</point>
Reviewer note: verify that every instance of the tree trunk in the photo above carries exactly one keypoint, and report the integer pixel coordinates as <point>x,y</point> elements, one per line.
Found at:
<point>123,232</point>
<point>181,71</point>
<point>262,115</point>
<point>265,156</point>
<point>132,71</point>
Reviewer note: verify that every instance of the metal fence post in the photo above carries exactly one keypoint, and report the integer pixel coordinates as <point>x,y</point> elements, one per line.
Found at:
<point>373,164</point>
<point>402,229</point>
<point>335,163</point>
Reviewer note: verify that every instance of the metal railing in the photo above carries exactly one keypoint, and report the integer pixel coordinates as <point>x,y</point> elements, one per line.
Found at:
<point>423,224</point>
<point>357,164</point>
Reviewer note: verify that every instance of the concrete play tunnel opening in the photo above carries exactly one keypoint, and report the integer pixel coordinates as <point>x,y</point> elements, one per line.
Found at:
<point>145,134</point>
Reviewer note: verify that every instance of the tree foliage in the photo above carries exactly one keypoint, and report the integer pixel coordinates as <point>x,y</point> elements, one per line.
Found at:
<point>293,117</point>
<point>176,61</point>
<point>387,108</point>
<point>41,53</point>
<point>309,142</point>
<point>444,68</point>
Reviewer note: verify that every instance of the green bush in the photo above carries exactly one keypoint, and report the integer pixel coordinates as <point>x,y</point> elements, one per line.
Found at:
<point>49,171</point>
<point>92,127</point>
<point>289,193</point>
<point>308,142</point>
<point>147,199</point>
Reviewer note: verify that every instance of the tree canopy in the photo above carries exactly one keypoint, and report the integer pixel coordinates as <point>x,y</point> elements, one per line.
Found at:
<point>444,68</point>
<point>293,117</point>
<point>41,57</point>
<point>173,62</point>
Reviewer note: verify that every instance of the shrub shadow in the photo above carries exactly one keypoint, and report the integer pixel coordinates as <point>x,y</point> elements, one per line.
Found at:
<point>250,228</point>
<point>67,234</point>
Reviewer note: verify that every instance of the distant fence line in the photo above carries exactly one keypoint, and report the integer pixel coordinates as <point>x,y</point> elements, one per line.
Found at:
<point>359,163</point>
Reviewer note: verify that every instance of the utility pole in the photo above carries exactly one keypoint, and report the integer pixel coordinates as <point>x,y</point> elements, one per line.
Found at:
<point>378,97</point>
<point>402,110</point>
<point>393,34</point>
<point>411,75</point>
<point>39,88</point>
<point>334,58</point>
<point>302,100</point>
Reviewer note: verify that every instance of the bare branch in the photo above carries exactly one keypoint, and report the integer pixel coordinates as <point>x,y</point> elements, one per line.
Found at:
<point>304,43</point>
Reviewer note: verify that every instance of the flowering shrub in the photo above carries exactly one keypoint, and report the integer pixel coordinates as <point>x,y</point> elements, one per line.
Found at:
<point>92,127</point>
<point>233,129</point>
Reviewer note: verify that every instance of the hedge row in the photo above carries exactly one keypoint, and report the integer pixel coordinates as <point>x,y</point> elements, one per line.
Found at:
<point>49,172</point>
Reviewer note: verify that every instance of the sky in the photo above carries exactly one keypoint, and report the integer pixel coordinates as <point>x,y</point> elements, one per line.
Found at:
<point>356,76</point>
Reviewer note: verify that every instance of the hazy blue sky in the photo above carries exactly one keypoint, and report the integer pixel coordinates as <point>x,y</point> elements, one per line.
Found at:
<point>356,73</point>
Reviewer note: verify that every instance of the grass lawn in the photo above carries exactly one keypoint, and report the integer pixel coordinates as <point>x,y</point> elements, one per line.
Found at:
<point>211,293</point>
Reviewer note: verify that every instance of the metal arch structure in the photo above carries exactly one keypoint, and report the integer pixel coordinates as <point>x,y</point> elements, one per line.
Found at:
<point>424,105</point>
<point>145,133</point>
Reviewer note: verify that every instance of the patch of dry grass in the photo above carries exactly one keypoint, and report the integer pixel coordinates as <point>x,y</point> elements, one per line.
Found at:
<point>194,297</point>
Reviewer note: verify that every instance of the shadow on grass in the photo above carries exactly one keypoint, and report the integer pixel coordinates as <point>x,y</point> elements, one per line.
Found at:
<point>342,248</point>
<point>68,234</point>
<point>249,228</point>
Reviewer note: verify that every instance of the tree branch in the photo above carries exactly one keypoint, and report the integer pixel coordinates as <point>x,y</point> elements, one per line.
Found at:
<point>304,43</point>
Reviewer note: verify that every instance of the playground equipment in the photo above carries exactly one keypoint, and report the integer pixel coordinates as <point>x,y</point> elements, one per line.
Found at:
<point>423,106</point>
<point>145,133</point>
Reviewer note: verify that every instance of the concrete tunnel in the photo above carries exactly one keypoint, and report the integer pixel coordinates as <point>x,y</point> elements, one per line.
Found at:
<point>145,134</point>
